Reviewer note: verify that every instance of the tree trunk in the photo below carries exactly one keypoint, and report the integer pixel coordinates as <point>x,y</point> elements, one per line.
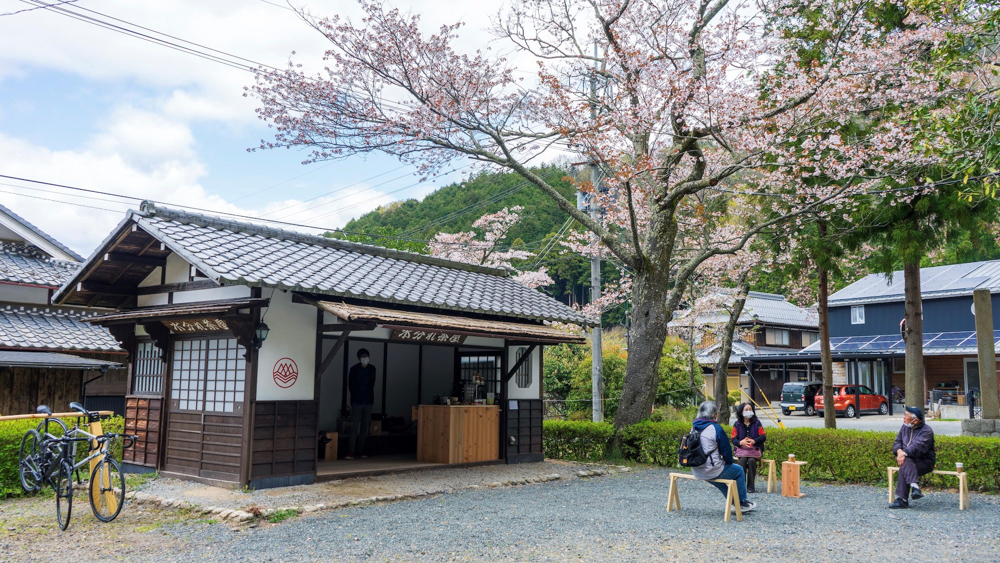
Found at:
<point>722,365</point>
<point>649,331</point>
<point>913,335</point>
<point>826,358</point>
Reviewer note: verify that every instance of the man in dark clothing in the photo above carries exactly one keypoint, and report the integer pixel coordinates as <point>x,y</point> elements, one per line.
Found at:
<point>361,384</point>
<point>914,449</point>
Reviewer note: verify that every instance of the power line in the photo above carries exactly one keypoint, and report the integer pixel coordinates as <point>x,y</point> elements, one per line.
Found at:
<point>334,191</point>
<point>211,211</point>
<point>116,211</point>
<point>38,8</point>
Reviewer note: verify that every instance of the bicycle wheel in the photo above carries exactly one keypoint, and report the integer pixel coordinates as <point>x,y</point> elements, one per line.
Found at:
<point>28,462</point>
<point>63,487</point>
<point>107,489</point>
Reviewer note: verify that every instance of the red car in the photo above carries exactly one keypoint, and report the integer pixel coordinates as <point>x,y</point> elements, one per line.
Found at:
<point>845,401</point>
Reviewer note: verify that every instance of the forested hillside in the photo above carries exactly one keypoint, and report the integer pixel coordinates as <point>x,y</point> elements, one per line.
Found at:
<point>455,207</point>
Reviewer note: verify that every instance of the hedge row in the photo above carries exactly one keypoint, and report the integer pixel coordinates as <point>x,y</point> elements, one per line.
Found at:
<point>11,432</point>
<point>843,456</point>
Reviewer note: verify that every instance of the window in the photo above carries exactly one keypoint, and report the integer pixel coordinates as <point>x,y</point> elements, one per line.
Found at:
<point>148,378</point>
<point>776,336</point>
<point>809,338</point>
<point>523,372</point>
<point>208,375</point>
<point>858,315</point>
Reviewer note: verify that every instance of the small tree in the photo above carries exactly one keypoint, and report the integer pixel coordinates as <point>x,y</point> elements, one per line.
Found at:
<point>489,250</point>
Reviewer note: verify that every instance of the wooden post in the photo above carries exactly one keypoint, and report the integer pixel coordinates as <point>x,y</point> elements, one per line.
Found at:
<point>110,500</point>
<point>988,395</point>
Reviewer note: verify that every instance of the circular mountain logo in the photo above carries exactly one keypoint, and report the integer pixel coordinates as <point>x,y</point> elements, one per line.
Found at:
<point>286,372</point>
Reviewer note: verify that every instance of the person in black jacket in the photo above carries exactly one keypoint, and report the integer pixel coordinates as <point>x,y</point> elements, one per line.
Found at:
<point>914,450</point>
<point>748,438</point>
<point>361,384</point>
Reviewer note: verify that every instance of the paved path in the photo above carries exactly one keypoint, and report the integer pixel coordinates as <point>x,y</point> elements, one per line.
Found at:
<point>616,518</point>
<point>887,423</point>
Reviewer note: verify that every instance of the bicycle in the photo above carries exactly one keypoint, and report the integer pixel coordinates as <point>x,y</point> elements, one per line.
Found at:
<point>31,461</point>
<point>52,461</point>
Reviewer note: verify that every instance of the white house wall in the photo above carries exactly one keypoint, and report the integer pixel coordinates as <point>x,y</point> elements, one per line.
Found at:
<point>27,295</point>
<point>292,337</point>
<point>532,391</point>
<point>178,271</point>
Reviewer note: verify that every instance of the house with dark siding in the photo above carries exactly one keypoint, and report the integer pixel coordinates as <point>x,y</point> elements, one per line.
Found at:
<point>867,345</point>
<point>768,324</point>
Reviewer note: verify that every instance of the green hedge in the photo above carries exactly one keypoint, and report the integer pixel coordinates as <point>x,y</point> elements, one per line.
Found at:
<point>843,456</point>
<point>12,431</point>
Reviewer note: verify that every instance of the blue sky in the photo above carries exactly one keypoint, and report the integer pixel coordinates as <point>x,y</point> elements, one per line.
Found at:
<point>83,106</point>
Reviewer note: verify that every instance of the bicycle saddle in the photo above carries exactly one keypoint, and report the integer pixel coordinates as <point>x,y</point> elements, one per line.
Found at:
<point>43,409</point>
<point>78,408</point>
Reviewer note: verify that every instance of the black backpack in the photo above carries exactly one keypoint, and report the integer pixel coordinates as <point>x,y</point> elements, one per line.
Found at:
<point>691,454</point>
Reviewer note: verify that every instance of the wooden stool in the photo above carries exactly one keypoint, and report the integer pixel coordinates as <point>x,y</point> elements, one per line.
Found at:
<point>963,485</point>
<point>790,478</point>
<point>732,495</point>
<point>772,477</point>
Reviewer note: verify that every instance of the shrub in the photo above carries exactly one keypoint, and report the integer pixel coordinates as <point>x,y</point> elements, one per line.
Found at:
<point>577,441</point>
<point>12,431</point>
<point>843,456</point>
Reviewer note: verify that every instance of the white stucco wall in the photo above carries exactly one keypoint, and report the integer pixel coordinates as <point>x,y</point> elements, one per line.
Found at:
<point>292,336</point>
<point>533,391</point>
<point>177,272</point>
<point>10,293</point>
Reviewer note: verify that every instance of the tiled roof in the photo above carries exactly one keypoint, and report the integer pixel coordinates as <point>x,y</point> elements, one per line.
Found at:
<point>41,233</point>
<point>741,348</point>
<point>21,263</point>
<point>238,253</point>
<point>935,282</point>
<point>10,358</point>
<point>52,329</point>
<point>762,308</point>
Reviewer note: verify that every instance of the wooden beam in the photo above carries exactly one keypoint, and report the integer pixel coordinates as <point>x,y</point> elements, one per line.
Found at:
<point>172,287</point>
<point>347,326</point>
<point>91,287</point>
<point>333,352</point>
<point>118,258</point>
<point>524,358</point>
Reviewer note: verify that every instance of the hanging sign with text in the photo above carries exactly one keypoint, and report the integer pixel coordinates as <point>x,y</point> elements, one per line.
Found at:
<point>429,337</point>
<point>196,325</point>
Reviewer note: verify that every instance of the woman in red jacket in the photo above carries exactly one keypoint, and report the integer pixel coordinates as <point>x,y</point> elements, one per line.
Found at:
<point>748,440</point>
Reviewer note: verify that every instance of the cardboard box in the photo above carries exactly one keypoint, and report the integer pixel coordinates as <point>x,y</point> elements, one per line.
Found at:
<point>376,428</point>
<point>330,453</point>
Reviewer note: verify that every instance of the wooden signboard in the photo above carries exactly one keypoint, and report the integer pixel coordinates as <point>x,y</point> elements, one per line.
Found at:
<point>428,336</point>
<point>189,326</point>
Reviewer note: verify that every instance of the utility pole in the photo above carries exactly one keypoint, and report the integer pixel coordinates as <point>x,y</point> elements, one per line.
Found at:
<point>596,370</point>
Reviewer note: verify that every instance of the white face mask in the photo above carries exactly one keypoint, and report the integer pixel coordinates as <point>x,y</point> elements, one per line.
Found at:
<point>364,361</point>
<point>747,414</point>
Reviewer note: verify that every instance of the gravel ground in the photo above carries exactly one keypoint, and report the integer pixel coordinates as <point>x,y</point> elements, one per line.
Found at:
<point>415,482</point>
<point>876,422</point>
<point>621,517</point>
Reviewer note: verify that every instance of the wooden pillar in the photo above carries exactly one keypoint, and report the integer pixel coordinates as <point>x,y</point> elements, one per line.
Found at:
<point>989,398</point>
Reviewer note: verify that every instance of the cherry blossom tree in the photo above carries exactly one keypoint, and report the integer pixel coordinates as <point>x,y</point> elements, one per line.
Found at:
<point>488,251</point>
<point>678,103</point>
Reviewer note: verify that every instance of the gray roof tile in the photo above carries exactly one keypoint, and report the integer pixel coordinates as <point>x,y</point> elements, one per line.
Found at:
<point>52,329</point>
<point>21,263</point>
<point>764,308</point>
<point>237,253</point>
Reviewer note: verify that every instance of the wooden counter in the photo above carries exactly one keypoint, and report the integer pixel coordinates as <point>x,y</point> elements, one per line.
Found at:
<point>458,433</point>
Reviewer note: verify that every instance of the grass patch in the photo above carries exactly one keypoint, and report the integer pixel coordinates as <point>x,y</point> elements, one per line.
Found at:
<point>282,515</point>
<point>135,480</point>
